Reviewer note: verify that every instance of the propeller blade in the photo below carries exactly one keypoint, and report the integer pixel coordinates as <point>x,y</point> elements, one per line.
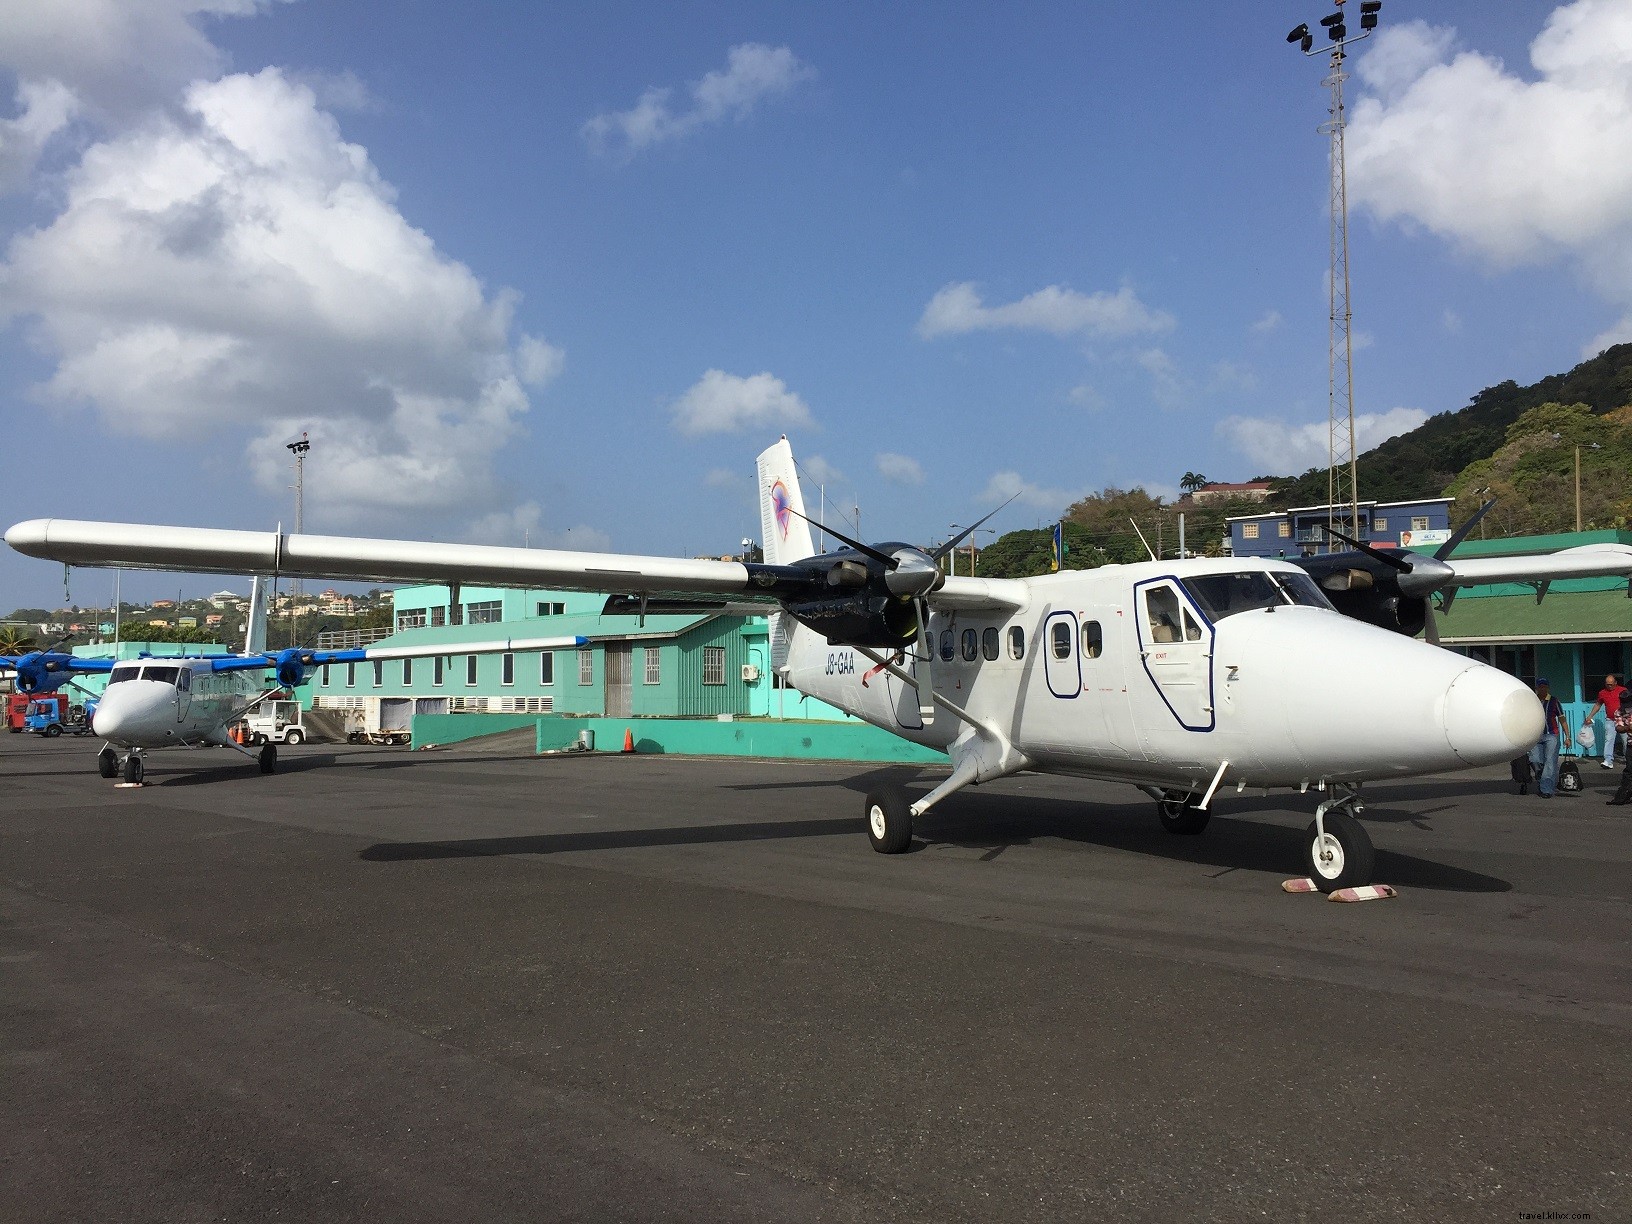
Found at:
<point>964,535</point>
<point>1394,562</point>
<point>865,550</point>
<point>1449,546</point>
<point>1430,624</point>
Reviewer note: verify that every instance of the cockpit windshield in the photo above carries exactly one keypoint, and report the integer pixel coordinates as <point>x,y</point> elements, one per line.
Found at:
<point>1222,595</point>
<point>119,674</point>
<point>164,675</point>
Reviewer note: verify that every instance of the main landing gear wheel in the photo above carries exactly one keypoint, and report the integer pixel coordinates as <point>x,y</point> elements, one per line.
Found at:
<point>134,769</point>
<point>268,759</point>
<point>889,821</point>
<point>1178,816</point>
<point>107,763</point>
<point>1344,858</point>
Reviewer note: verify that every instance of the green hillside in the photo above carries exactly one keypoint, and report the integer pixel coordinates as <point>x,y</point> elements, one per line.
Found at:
<point>1425,461</point>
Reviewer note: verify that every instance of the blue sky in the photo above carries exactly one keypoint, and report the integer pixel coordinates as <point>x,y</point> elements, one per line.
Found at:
<point>559,272</point>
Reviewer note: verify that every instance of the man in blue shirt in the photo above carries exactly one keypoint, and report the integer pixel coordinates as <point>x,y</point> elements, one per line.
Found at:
<point>1544,756</point>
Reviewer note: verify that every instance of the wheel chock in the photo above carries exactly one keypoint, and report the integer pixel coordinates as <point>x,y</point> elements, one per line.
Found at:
<point>127,785</point>
<point>1298,886</point>
<point>1366,892</point>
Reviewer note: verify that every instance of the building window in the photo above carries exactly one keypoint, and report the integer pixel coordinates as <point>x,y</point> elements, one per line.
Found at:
<point>470,671</point>
<point>1380,524</point>
<point>1249,531</point>
<point>325,675</point>
<point>407,671</point>
<point>586,666</point>
<point>379,672</point>
<point>546,667</point>
<point>988,643</point>
<point>1017,642</point>
<point>507,672</point>
<point>411,618</point>
<point>1284,530</point>
<point>351,675</point>
<point>552,609</point>
<point>654,665</point>
<point>436,671</point>
<point>487,612</point>
<point>1419,523</point>
<point>713,664</point>
<point>439,617</point>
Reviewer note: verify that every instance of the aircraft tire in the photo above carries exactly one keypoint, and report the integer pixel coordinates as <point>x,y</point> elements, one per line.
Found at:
<point>268,759</point>
<point>1351,860</point>
<point>107,763</point>
<point>293,737</point>
<point>53,731</point>
<point>889,821</point>
<point>135,771</point>
<point>1178,816</point>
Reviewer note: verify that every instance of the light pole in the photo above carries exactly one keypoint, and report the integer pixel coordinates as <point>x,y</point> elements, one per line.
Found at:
<point>298,448</point>
<point>1342,482</point>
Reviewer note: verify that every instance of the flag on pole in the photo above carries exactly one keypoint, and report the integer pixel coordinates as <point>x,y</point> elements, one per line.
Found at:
<point>1059,548</point>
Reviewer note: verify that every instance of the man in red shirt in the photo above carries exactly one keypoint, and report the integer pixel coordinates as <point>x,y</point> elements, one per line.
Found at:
<point>1609,701</point>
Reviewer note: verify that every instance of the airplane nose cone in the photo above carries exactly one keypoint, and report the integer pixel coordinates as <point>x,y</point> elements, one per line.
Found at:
<point>1490,717</point>
<point>108,720</point>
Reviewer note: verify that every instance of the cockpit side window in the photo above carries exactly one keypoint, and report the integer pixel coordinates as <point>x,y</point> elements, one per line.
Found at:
<point>1162,613</point>
<point>184,679</point>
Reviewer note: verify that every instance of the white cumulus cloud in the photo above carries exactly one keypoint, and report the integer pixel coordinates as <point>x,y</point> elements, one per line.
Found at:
<point>235,263</point>
<point>1277,446</point>
<point>958,308</point>
<point>724,403</point>
<point>753,72</point>
<point>1510,169</point>
<point>899,469</point>
<point>1010,484</point>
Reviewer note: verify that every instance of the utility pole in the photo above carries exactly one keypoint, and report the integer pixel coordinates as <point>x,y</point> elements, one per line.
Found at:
<point>1342,481</point>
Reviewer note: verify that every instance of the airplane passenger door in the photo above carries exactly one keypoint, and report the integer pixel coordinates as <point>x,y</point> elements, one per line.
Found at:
<point>1061,664</point>
<point>1176,648</point>
<point>184,694</point>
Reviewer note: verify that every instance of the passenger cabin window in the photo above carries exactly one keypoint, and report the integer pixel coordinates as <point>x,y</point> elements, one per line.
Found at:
<point>971,645</point>
<point>1093,640</point>
<point>1060,639</point>
<point>946,645</point>
<point>1162,613</point>
<point>1017,642</point>
<point>988,643</point>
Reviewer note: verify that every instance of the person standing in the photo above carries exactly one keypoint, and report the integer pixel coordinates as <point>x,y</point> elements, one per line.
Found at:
<point>1623,723</point>
<point>1544,756</point>
<point>1610,700</point>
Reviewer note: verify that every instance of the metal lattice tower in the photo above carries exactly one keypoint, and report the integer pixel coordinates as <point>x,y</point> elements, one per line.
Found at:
<point>1342,482</point>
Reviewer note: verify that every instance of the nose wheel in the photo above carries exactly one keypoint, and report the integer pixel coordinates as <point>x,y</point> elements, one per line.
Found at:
<point>1337,849</point>
<point>135,771</point>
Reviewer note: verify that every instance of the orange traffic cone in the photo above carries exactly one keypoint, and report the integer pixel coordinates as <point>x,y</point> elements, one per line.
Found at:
<point>628,740</point>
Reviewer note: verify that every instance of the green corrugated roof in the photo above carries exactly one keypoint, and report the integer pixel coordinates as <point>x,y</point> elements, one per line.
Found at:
<point>1563,616</point>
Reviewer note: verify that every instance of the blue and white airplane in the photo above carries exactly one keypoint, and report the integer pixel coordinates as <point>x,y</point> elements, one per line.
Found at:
<point>1179,677</point>
<point>192,701</point>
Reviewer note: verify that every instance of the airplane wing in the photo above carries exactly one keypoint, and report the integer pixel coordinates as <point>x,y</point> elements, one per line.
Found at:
<point>202,550</point>
<point>364,654</point>
<point>1585,561</point>
<point>42,671</point>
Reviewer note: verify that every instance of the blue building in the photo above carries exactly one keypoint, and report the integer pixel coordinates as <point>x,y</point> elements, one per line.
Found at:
<point>1298,532</point>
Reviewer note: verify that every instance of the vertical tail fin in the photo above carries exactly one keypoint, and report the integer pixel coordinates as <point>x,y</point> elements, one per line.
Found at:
<point>255,626</point>
<point>785,536</point>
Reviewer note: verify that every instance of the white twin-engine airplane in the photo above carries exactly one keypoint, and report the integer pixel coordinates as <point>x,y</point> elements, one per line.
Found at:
<point>1180,677</point>
<point>192,701</point>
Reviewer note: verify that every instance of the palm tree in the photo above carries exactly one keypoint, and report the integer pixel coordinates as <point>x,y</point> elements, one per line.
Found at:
<point>15,640</point>
<point>1191,481</point>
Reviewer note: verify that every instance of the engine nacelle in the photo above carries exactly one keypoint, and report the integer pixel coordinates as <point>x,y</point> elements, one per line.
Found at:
<point>42,671</point>
<point>1384,606</point>
<point>290,667</point>
<point>859,620</point>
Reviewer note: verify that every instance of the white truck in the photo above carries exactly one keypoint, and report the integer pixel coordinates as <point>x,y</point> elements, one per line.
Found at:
<point>382,720</point>
<point>275,722</point>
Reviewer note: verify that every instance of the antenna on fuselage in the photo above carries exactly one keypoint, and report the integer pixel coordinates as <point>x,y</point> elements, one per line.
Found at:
<point>1142,539</point>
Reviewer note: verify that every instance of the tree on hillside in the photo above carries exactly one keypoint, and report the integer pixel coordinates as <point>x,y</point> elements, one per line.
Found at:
<point>1191,481</point>
<point>1532,474</point>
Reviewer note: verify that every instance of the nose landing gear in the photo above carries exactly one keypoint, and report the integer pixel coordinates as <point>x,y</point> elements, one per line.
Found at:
<point>1337,849</point>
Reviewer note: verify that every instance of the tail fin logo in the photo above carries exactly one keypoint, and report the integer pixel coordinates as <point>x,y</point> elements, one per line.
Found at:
<point>783,505</point>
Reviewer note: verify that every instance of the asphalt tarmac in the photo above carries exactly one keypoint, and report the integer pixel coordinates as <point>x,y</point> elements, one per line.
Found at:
<point>472,984</point>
